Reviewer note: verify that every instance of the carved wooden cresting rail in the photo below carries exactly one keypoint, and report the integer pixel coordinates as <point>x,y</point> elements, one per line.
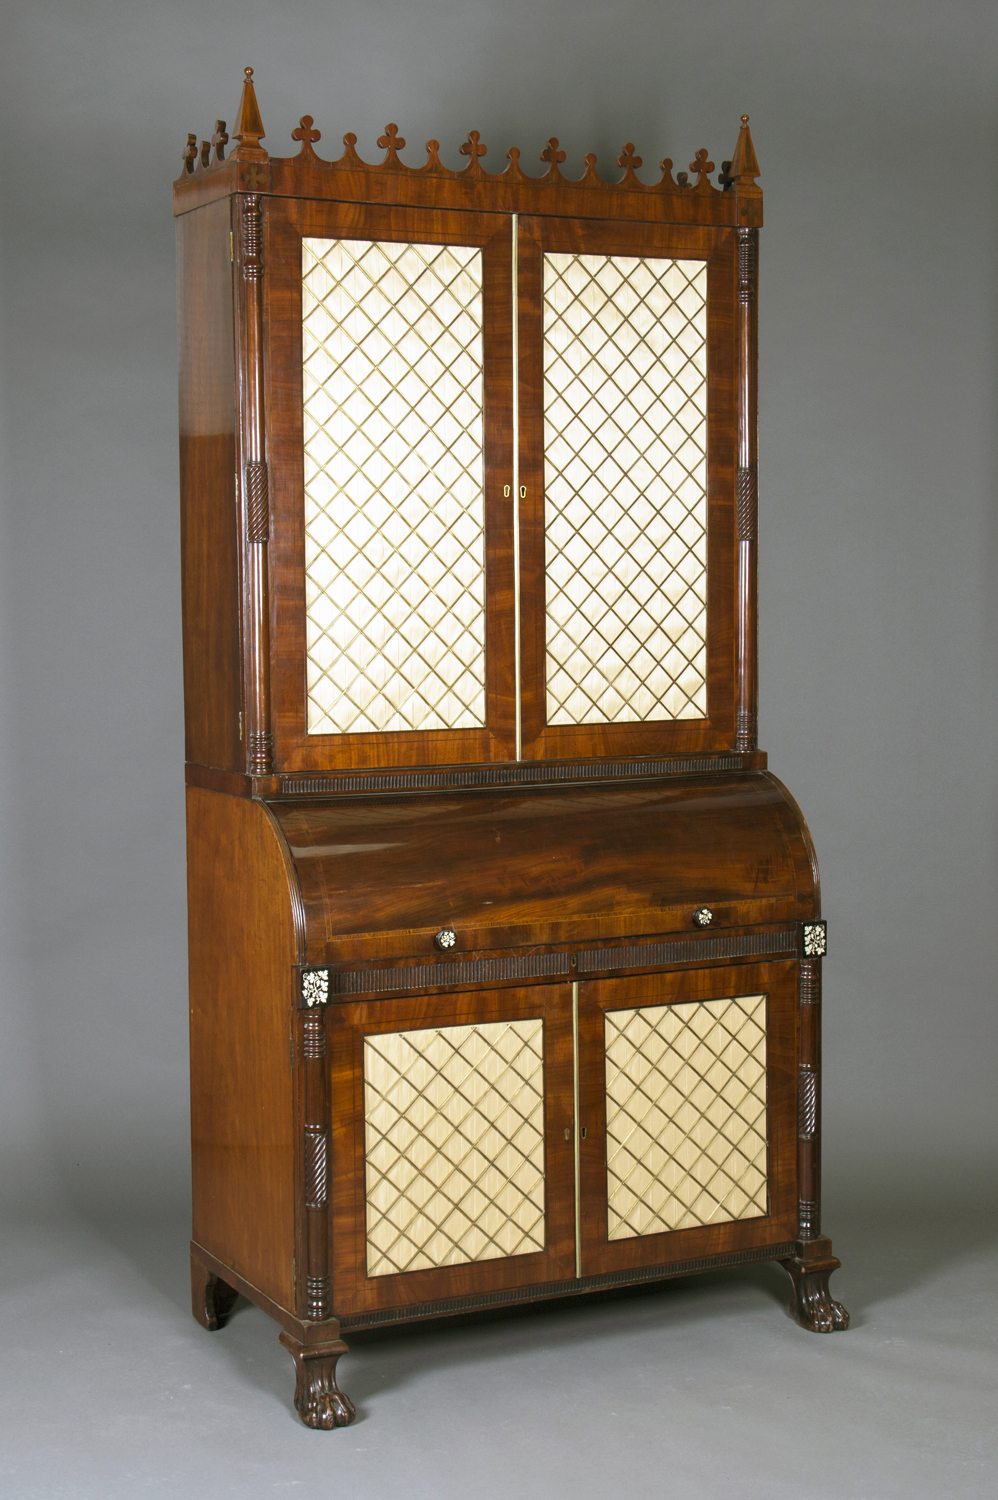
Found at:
<point>210,171</point>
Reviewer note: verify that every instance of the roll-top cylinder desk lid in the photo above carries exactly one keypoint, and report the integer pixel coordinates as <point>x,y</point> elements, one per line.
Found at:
<point>383,878</point>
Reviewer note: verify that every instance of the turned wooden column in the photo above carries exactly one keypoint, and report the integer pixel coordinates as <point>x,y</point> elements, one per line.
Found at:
<point>813,1305</point>
<point>252,166</point>
<point>315,1157</point>
<point>809,1102</point>
<point>747,713</point>
<point>254,493</point>
<point>741,174</point>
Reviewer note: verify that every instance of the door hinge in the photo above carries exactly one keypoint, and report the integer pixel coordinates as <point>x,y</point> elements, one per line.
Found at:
<point>232,246</point>
<point>240,724</point>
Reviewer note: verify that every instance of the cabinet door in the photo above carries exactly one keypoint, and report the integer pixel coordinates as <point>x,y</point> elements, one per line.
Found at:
<point>452,1161</point>
<point>389,400</point>
<point>688,1102</point>
<point>627,457</point>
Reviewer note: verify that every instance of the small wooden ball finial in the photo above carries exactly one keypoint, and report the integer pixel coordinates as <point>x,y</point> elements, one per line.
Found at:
<point>744,119</point>
<point>249,74</point>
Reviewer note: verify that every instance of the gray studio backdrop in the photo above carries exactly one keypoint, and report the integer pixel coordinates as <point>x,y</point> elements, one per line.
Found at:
<point>875,127</point>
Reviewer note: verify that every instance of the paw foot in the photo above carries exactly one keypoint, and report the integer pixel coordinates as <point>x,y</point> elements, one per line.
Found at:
<point>318,1399</point>
<point>821,1313</point>
<point>326,1410</point>
<point>814,1307</point>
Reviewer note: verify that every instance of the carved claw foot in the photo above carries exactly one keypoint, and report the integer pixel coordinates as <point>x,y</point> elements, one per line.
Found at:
<point>212,1299</point>
<point>318,1399</point>
<point>813,1306</point>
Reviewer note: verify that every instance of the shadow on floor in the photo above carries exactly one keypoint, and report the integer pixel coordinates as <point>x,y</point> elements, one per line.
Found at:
<point>890,1240</point>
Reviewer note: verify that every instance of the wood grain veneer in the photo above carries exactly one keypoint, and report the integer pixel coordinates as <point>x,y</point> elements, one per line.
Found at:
<point>208,533</point>
<point>243,947</point>
<point>380,877</point>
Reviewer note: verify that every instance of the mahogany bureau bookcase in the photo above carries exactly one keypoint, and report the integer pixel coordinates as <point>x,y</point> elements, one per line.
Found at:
<point>505,946</point>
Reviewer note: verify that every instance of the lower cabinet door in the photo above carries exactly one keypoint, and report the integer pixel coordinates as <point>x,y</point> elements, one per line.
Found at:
<point>687,1114</point>
<point>452,1148</point>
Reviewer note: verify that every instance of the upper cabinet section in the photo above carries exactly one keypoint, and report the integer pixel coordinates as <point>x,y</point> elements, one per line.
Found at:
<point>494,454</point>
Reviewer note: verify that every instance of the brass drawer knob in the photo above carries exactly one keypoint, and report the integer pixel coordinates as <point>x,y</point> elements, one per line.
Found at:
<point>445,938</point>
<point>703,916</point>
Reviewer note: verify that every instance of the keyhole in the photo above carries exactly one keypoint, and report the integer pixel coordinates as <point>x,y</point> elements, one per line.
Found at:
<point>505,490</point>
<point>523,492</point>
<point>583,1132</point>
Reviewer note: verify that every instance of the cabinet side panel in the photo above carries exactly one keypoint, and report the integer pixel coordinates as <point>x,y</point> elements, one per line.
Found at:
<point>242,949</point>
<point>207,488</point>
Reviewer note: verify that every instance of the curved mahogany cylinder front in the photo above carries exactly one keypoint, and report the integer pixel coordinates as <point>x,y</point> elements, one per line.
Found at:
<point>380,878</point>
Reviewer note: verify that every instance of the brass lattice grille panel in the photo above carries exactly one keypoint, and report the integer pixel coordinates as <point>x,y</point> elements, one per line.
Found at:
<point>454,1145</point>
<point>685,1115</point>
<point>394,509</point>
<point>625,483</point>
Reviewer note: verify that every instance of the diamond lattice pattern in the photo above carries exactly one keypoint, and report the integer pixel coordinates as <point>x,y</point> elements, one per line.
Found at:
<point>394,511</point>
<point>454,1123</point>
<point>625,477</point>
<point>686,1115</point>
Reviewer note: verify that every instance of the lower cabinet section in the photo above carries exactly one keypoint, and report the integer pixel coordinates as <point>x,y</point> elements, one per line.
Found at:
<point>519,1138</point>
<point>612,1075</point>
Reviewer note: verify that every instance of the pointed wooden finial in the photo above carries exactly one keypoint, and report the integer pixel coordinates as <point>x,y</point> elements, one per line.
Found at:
<point>744,167</point>
<point>248,130</point>
<point>739,176</point>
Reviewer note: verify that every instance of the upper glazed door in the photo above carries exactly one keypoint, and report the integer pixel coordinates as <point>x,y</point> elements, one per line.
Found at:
<point>628,429</point>
<point>390,340</point>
